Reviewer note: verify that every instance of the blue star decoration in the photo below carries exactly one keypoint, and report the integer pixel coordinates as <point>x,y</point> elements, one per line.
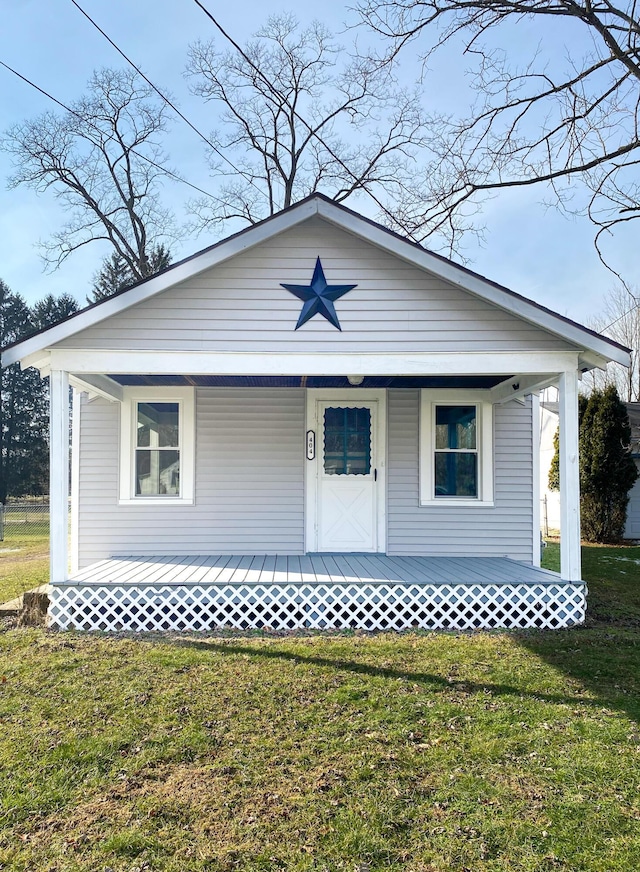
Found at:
<point>318,297</point>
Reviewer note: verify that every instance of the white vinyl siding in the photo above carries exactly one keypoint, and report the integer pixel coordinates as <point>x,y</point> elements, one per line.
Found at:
<point>249,489</point>
<point>240,306</point>
<point>632,528</point>
<point>501,530</point>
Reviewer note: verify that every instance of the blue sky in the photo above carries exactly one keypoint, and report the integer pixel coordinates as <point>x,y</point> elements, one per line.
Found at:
<point>528,247</point>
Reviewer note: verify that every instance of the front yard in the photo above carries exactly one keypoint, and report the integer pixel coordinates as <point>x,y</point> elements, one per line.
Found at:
<point>416,752</point>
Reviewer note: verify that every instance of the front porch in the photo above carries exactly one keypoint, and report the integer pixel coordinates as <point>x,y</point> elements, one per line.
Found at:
<point>315,591</point>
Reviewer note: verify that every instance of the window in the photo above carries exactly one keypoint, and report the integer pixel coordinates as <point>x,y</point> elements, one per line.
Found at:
<point>347,441</point>
<point>456,448</point>
<point>157,446</point>
<point>157,449</point>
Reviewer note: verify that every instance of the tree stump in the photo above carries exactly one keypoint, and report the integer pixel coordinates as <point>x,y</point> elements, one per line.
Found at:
<point>34,609</point>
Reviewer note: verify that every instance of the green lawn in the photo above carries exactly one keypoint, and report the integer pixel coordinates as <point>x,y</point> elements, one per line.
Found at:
<point>416,752</point>
<point>613,576</point>
<point>24,563</point>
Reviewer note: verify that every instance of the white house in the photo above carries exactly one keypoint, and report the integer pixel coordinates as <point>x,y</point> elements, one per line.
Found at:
<point>550,500</point>
<point>312,423</point>
<point>632,528</point>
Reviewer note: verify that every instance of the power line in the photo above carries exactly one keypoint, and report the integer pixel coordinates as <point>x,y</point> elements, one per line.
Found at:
<point>162,96</point>
<point>33,85</point>
<point>624,315</point>
<point>238,48</point>
<point>87,121</point>
<point>276,93</point>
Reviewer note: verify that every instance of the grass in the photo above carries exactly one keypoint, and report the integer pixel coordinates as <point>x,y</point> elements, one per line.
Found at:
<point>417,752</point>
<point>613,576</point>
<point>24,563</point>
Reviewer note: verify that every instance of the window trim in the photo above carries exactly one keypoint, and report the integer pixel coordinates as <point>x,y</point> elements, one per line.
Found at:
<point>429,399</point>
<point>131,396</point>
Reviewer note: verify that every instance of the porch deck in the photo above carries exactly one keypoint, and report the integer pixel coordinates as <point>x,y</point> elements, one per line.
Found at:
<point>310,569</point>
<point>315,591</point>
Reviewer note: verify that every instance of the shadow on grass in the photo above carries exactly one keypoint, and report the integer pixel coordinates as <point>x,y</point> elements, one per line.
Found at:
<point>604,655</point>
<point>576,653</point>
<point>612,573</point>
<point>605,661</point>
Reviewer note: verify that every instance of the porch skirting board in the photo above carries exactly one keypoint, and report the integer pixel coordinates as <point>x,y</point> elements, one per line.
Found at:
<point>358,605</point>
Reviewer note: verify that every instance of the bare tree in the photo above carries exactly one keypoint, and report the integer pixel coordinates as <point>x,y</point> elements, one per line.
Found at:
<point>104,162</point>
<point>546,118</point>
<point>620,320</point>
<point>297,115</point>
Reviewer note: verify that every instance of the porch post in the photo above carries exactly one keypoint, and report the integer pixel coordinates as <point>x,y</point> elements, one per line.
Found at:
<point>537,526</point>
<point>59,474</point>
<point>75,478</point>
<point>570,567</point>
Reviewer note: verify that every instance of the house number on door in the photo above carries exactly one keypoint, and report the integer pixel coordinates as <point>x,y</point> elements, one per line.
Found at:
<point>311,445</point>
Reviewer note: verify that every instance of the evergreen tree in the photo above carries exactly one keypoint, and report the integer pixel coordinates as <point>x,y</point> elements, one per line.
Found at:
<point>24,416</point>
<point>607,470</point>
<point>554,469</point>
<point>116,274</point>
<point>51,310</point>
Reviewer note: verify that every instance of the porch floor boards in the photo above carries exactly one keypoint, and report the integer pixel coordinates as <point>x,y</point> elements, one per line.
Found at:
<point>308,568</point>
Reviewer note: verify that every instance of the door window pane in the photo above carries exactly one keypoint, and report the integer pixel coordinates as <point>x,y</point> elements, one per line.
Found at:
<point>347,441</point>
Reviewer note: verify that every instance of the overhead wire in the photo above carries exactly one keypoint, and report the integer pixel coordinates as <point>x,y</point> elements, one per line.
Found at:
<point>78,115</point>
<point>624,315</point>
<point>163,96</point>
<point>276,93</point>
<point>264,78</point>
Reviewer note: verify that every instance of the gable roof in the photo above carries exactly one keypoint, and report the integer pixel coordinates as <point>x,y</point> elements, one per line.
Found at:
<point>351,222</point>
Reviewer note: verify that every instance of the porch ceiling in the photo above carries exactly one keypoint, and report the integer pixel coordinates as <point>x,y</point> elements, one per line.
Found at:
<point>482,382</point>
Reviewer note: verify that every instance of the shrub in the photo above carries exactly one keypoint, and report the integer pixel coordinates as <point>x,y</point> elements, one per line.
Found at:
<point>607,470</point>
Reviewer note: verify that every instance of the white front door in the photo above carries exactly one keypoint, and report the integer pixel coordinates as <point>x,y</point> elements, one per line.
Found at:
<point>346,497</point>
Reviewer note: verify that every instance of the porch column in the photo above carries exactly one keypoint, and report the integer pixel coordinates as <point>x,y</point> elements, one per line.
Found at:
<point>570,567</point>
<point>59,474</point>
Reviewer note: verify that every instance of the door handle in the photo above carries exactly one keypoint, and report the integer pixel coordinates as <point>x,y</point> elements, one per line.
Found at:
<point>375,475</point>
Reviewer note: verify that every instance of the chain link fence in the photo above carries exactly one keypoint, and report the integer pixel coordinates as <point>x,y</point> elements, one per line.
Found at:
<point>20,520</point>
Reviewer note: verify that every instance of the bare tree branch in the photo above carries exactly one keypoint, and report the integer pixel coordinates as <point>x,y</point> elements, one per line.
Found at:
<point>300,115</point>
<point>104,162</point>
<point>537,120</point>
<point>620,320</point>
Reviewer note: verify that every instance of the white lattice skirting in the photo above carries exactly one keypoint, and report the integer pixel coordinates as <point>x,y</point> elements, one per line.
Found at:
<point>363,606</point>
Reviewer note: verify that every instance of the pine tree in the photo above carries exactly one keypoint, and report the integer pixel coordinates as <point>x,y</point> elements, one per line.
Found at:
<point>51,310</point>
<point>554,469</point>
<point>116,274</point>
<point>607,470</point>
<point>24,417</point>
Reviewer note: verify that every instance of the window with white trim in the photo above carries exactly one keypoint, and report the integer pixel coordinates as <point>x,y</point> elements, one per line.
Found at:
<point>456,448</point>
<point>157,446</point>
